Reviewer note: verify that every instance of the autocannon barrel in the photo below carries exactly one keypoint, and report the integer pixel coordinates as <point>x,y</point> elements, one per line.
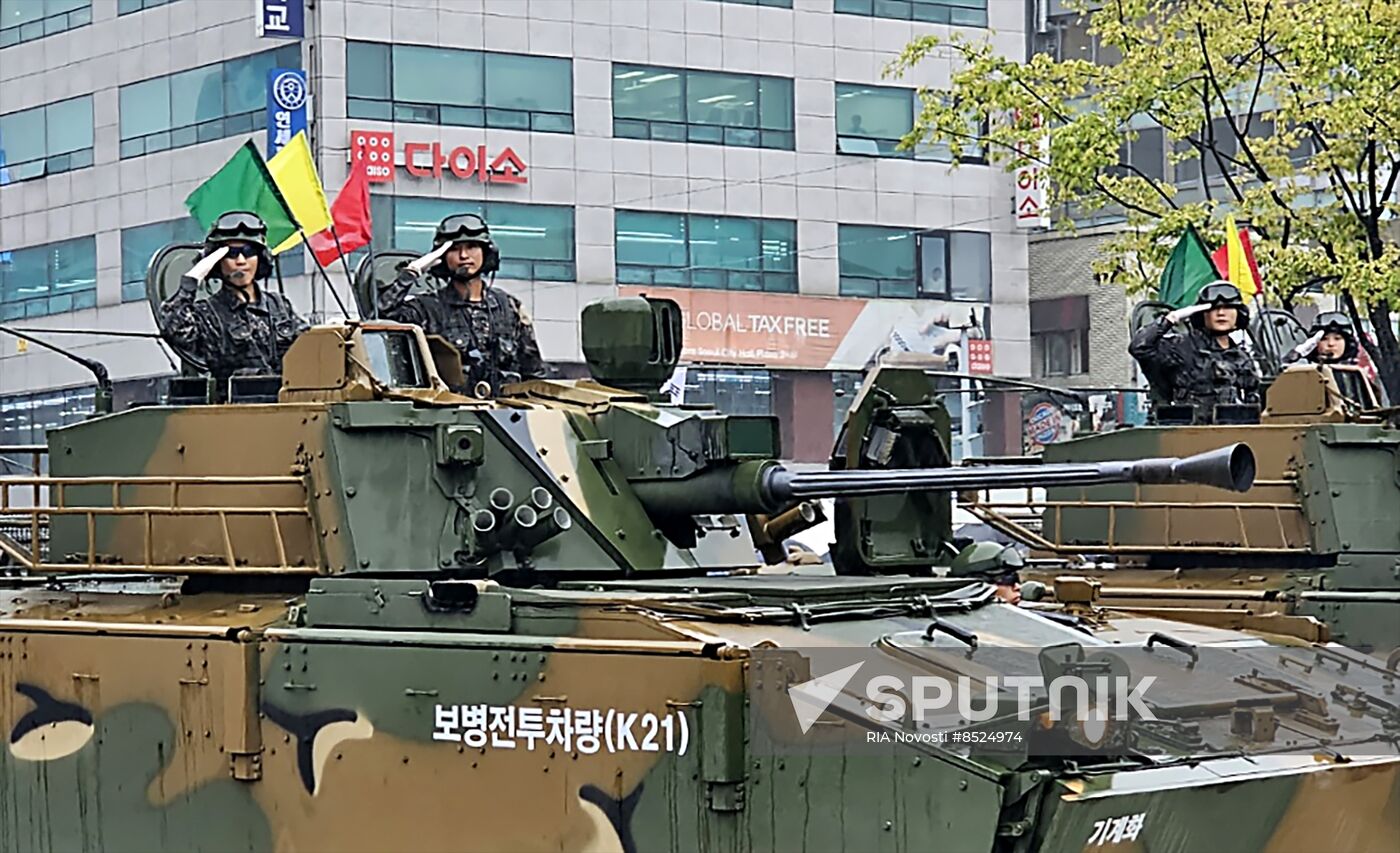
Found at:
<point>768,487</point>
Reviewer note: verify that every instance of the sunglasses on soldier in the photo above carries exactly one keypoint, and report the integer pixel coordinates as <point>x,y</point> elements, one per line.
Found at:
<point>243,251</point>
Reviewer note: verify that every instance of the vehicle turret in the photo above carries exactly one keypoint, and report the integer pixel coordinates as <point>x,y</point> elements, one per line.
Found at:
<point>368,464</point>
<point>1318,535</point>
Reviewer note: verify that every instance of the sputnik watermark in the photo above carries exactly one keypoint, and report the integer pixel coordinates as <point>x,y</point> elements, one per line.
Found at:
<point>892,699</point>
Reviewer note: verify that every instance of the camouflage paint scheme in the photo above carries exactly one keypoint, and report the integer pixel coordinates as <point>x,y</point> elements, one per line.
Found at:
<point>334,722</point>
<point>1317,536</point>
<point>284,696</point>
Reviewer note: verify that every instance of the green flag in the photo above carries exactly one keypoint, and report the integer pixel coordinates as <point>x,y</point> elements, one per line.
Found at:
<point>244,183</point>
<point>1188,270</point>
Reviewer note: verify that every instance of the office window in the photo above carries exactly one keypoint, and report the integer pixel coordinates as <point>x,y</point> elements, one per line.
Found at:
<point>469,88</point>
<point>871,120</point>
<point>1059,354</point>
<point>877,261</point>
<point>26,20</point>
<point>716,252</point>
<point>39,280</point>
<point>47,140</point>
<point>206,103</point>
<point>536,240</point>
<point>733,391</point>
<point>140,244</point>
<point>126,7</point>
<point>676,105</point>
<point>1074,41</point>
<point>966,13</point>
<point>901,263</point>
<point>26,418</point>
<point>1060,336</point>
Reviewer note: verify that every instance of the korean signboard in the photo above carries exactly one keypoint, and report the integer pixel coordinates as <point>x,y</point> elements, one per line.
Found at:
<point>979,357</point>
<point>782,330</point>
<point>281,19</point>
<point>434,160</point>
<point>1030,199</point>
<point>286,107</point>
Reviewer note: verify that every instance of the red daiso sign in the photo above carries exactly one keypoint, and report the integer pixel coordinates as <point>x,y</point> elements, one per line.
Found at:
<point>429,160</point>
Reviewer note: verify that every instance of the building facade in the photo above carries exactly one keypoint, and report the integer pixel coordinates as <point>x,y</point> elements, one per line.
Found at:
<point>739,157</point>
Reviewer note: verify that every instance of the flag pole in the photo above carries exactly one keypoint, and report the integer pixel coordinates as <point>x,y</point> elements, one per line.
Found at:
<point>345,262</point>
<point>324,275</point>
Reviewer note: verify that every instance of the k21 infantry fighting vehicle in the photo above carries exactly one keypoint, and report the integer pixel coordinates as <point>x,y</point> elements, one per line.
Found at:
<point>375,614</point>
<point>1318,536</point>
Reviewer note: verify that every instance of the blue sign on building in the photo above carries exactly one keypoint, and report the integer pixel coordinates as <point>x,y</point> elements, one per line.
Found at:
<point>281,19</point>
<point>286,107</point>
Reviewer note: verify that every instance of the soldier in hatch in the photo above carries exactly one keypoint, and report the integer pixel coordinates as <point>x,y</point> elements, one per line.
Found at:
<point>1202,366</point>
<point>1333,341</point>
<point>242,328</point>
<point>488,326</point>
<point>993,563</point>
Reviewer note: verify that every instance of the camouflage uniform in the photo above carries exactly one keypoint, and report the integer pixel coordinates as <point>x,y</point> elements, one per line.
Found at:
<point>1190,368</point>
<point>494,335</point>
<point>228,335</point>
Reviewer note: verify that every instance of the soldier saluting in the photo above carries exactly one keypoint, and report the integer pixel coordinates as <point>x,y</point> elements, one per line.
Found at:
<point>241,328</point>
<point>1202,366</point>
<point>488,326</point>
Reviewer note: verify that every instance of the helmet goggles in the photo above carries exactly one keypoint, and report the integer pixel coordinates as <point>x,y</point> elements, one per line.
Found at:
<point>464,227</point>
<point>238,223</point>
<point>1332,321</point>
<point>1220,293</point>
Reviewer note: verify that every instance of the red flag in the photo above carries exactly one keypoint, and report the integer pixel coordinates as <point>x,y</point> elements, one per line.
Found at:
<point>351,216</point>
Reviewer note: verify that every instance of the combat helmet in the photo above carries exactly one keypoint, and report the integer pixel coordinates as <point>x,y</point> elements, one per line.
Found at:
<point>1222,293</point>
<point>467,228</point>
<point>245,227</point>
<point>988,561</point>
<point>1336,321</point>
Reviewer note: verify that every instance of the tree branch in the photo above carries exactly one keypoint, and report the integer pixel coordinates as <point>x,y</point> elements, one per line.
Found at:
<point>1240,137</point>
<point>1318,137</point>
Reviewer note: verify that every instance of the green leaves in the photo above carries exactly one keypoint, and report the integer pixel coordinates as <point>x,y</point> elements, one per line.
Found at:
<point>1289,110</point>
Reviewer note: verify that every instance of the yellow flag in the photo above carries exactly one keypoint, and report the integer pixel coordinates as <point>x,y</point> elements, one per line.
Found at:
<point>295,173</point>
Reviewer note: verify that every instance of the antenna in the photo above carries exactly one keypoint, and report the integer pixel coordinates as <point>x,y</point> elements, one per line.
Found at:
<point>102,404</point>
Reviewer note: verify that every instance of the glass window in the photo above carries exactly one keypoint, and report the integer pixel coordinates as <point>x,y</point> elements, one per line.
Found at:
<point>46,140</point>
<point>468,88</point>
<point>967,13</point>
<point>536,240</point>
<point>26,20</point>
<point>901,263</point>
<point>677,105</point>
<point>876,261</point>
<point>733,391</point>
<point>871,120</point>
<point>140,244</point>
<point>779,4</point>
<point>716,252</point>
<point>1063,353</point>
<point>210,102</point>
<point>28,417</point>
<point>970,264</point>
<point>126,7</point>
<point>40,280</point>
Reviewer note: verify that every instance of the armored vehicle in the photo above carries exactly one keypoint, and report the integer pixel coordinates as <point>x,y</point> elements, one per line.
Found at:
<point>1318,536</point>
<point>376,614</point>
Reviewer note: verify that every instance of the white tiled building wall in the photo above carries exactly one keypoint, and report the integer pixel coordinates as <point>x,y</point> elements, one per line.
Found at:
<point>588,169</point>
